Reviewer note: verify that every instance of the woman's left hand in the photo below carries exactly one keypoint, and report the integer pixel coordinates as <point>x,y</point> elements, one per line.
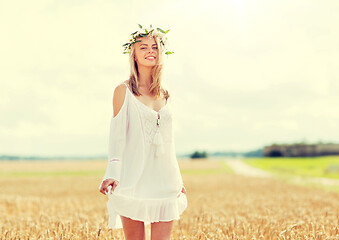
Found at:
<point>183,190</point>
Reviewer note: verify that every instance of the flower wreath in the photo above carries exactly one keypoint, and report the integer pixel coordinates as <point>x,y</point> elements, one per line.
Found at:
<point>150,32</point>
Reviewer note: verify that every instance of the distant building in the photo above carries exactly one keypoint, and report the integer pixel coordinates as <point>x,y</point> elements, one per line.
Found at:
<point>301,150</point>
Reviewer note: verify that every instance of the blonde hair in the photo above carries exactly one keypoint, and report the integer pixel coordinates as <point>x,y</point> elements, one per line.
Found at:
<point>156,75</point>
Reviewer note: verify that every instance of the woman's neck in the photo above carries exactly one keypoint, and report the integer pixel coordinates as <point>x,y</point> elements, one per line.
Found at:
<point>145,76</point>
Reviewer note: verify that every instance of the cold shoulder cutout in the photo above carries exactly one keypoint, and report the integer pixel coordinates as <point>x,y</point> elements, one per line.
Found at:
<point>119,98</point>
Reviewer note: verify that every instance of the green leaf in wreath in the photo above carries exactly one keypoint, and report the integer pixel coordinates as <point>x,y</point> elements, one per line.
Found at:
<point>140,26</point>
<point>168,52</point>
<point>159,29</point>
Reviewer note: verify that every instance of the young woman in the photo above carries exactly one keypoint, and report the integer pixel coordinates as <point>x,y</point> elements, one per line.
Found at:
<point>142,179</point>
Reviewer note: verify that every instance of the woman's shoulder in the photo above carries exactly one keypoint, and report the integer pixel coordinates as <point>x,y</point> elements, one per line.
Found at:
<point>122,85</point>
<point>121,88</point>
<point>119,97</point>
<point>120,91</point>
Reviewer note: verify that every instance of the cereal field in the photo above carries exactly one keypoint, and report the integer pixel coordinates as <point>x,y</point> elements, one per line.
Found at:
<point>59,200</point>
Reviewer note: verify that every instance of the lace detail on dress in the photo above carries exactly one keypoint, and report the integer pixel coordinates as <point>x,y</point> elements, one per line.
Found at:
<point>166,125</point>
<point>150,124</point>
<point>154,123</point>
<point>157,124</point>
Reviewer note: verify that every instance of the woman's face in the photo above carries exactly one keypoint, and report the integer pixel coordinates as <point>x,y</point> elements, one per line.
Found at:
<point>146,52</point>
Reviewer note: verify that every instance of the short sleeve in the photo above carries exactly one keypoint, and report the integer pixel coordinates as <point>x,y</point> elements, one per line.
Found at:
<point>117,141</point>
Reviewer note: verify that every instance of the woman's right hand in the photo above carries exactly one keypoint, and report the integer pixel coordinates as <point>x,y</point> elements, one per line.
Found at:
<point>104,188</point>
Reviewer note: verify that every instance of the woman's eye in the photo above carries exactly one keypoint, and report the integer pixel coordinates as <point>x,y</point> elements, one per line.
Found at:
<point>145,48</point>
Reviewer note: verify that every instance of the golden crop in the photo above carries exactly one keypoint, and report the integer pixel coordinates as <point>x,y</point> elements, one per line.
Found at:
<point>221,205</point>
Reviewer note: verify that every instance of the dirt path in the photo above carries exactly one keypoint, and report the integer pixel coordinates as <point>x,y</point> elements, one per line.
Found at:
<point>239,167</point>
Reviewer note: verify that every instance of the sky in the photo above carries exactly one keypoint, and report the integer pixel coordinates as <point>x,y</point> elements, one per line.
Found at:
<point>244,73</point>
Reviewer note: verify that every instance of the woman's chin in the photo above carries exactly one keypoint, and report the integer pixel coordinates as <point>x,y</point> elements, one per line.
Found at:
<point>149,64</point>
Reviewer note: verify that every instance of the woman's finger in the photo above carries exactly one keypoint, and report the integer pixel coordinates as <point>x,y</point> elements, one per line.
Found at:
<point>101,188</point>
<point>104,187</point>
<point>114,185</point>
<point>183,190</point>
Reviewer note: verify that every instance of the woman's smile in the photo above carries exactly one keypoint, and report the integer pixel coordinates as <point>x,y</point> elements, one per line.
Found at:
<point>150,58</point>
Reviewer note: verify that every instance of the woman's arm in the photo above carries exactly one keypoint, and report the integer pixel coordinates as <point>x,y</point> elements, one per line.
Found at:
<point>117,139</point>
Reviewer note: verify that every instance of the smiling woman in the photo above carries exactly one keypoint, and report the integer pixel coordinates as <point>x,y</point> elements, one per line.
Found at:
<point>146,49</point>
<point>143,180</point>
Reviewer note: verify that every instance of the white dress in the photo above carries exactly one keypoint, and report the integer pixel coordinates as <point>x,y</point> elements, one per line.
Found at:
<point>141,156</point>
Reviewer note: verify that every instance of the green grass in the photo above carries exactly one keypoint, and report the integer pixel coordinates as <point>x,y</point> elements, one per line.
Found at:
<point>97,173</point>
<point>51,173</point>
<point>224,168</point>
<point>306,167</point>
<point>309,184</point>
